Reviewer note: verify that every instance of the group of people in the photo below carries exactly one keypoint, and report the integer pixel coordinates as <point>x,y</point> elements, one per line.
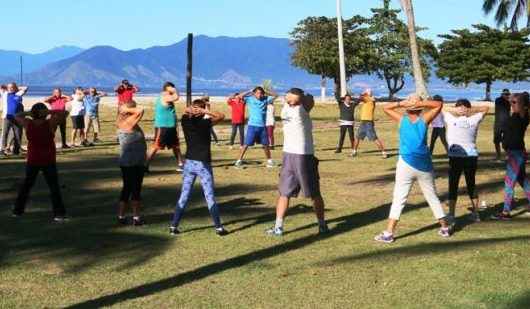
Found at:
<point>299,170</point>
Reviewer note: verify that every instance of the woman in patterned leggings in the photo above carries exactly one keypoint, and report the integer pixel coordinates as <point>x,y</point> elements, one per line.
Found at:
<point>197,124</point>
<point>513,133</point>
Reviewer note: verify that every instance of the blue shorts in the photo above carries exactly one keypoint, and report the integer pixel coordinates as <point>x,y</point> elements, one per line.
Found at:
<point>256,135</point>
<point>367,130</point>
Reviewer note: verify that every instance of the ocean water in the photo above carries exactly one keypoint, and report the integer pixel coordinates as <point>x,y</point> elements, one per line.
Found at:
<point>449,93</point>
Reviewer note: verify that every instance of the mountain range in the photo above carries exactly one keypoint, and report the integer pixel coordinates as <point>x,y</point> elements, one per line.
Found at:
<point>10,59</point>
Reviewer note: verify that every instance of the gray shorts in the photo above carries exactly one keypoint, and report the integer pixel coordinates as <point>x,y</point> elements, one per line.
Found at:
<point>299,172</point>
<point>367,130</point>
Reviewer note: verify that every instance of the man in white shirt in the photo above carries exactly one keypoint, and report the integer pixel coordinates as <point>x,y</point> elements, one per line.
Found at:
<point>300,166</point>
<point>11,100</point>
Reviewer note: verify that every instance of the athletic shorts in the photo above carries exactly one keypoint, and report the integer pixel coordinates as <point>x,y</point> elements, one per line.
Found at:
<point>78,122</point>
<point>367,130</point>
<point>256,135</point>
<point>299,173</point>
<point>166,138</point>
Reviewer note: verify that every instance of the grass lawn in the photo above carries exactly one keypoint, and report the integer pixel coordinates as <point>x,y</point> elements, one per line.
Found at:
<point>91,262</point>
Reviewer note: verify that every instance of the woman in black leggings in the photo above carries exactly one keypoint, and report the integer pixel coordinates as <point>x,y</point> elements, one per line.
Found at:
<point>462,124</point>
<point>346,121</point>
<point>132,161</point>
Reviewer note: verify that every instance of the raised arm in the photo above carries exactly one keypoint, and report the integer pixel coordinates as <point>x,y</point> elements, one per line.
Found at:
<point>308,102</point>
<point>245,94</point>
<point>391,110</point>
<point>434,108</point>
<point>21,119</point>
<point>22,90</point>
<point>136,89</point>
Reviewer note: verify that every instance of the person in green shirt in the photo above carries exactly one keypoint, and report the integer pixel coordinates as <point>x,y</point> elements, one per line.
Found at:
<point>166,134</point>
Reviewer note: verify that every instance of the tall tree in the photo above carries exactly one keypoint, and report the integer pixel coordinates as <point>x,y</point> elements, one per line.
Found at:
<point>484,56</point>
<point>316,47</point>
<point>392,61</point>
<point>421,89</point>
<point>517,9</point>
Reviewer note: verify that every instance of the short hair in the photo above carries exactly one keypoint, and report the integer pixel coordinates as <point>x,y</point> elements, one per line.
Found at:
<point>167,85</point>
<point>125,81</point>
<point>36,108</point>
<point>463,102</point>
<point>347,96</point>
<point>258,88</point>
<point>296,91</point>
<point>438,98</point>
<point>198,102</point>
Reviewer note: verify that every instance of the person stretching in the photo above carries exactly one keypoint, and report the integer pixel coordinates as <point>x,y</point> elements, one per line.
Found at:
<point>132,160</point>
<point>77,114</point>
<point>438,128</point>
<point>11,97</point>
<point>257,102</point>
<point>91,100</point>
<point>367,127</point>
<point>462,124</point>
<point>300,166</point>
<point>513,134</point>
<point>270,124</point>
<point>237,105</point>
<point>41,155</point>
<point>346,121</point>
<point>58,103</point>
<point>415,162</point>
<point>166,133</point>
<point>197,123</point>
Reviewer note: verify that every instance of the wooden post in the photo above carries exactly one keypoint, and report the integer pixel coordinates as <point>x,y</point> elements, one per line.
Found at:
<point>189,69</point>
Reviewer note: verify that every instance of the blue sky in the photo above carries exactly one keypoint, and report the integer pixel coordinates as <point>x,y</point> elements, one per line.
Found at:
<point>41,25</point>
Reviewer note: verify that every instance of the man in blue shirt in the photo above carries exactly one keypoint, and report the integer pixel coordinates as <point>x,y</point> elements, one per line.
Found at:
<point>11,98</point>
<point>257,102</point>
<point>91,101</point>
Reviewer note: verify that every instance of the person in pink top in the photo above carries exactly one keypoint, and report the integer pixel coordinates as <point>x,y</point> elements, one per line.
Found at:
<point>58,103</point>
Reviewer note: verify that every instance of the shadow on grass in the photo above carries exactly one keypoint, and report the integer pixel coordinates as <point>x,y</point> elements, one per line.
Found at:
<point>521,302</point>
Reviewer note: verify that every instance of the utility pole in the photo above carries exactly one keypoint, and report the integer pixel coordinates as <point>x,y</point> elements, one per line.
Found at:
<point>189,69</point>
<point>342,61</point>
<point>21,72</point>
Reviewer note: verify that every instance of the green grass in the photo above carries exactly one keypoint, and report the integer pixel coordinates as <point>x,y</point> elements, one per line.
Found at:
<point>90,262</point>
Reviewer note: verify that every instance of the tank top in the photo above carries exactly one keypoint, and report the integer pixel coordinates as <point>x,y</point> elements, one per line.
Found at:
<point>413,144</point>
<point>164,115</point>
<point>41,144</point>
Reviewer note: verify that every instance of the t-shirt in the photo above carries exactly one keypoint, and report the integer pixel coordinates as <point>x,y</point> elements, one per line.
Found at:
<point>367,108</point>
<point>132,148</point>
<point>125,94</point>
<point>91,105</point>
<point>438,121</point>
<point>257,110</point>
<point>347,113</point>
<point>77,106</point>
<point>513,131</point>
<point>41,144</point>
<point>198,141</point>
<point>502,111</point>
<point>297,130</point>
<point>57,103</point>
<point>165,116</point>
<point>270,115</point>
<point>14,105</point>
<point>462,134</point>
<point>413,144</point>
<point>238,110</point>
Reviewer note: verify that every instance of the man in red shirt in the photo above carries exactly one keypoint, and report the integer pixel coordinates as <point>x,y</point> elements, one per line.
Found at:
<point>125,92</point>
<point>237,105</point>
<point>58,103</point>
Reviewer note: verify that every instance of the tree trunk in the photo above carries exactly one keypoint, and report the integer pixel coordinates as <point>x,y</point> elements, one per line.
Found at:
<point>421,89</point>
<point>323,84</point>
<point>488,91</point>
<point>189,69</point>
<point>394,85</point>
<point>342,58</point>
<point>336,88</point>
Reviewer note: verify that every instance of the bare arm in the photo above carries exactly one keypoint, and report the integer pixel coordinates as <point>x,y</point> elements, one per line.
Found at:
<point>22,90</point>
<point>391,110</point>
<point>20,118</point>
<point>136,89</point>
<point>245,94</point>
<point>434,108</point>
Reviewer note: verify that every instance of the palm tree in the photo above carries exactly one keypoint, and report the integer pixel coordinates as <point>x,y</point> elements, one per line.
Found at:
<point>421,89</point>
<point>504,8</point>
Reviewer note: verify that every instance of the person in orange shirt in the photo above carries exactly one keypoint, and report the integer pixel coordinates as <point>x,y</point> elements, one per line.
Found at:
<point>367,127</point>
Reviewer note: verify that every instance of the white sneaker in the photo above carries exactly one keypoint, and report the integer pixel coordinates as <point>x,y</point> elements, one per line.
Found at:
<point>238,164</point>
<point>384,155</point>
<point>270,164</point>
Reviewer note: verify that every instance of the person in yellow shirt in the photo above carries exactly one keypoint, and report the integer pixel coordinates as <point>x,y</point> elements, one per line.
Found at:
<point>367,128</point>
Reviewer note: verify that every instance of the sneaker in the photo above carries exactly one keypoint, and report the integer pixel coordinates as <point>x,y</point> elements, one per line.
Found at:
<point>238,164</point>
<point>138,222</point>
<point>275,231</point>
<point>270,164</point>
<point>97,140</point>
<point>385,238</point>
<point>173,230</point>
<point>180,168</point>
<point>384,155</point>
<point>220,231</point>
<point>338,151</point>
<point>445,232</point>
<point>501,216</point>
<point>60,219</point>
<point>231,147</point>
<point>451,221</point>
<point>122,220</point>
<point>474,216</point>
<point>323,229</point>
<point>65,146</point>
<point>91,144</point>
<point>354,154</point>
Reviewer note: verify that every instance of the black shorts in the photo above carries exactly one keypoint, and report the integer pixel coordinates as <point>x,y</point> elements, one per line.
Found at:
<point>78,122</point>
<point>166,138</point>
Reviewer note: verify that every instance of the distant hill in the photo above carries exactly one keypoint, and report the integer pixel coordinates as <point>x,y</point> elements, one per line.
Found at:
<point>218,62</point>
<point>10,59</point>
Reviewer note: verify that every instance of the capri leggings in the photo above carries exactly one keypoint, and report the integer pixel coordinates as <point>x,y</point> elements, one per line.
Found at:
<point>133,177</point>
<point>457,165</point>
